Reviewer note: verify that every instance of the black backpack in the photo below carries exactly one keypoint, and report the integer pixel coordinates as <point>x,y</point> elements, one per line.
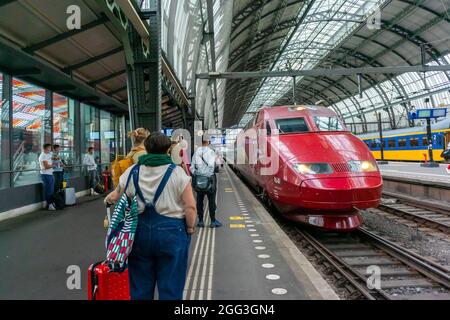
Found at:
<point>58,200</point>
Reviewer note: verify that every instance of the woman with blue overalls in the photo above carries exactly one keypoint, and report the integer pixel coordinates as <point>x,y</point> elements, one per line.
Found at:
<point>167,216</point>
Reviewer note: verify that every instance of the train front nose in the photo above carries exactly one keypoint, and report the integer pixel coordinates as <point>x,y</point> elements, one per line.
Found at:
<point>341,193</point>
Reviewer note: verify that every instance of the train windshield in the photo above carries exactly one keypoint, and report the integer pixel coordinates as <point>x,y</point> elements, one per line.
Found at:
<point>292,125</point>
<point>328,123</point>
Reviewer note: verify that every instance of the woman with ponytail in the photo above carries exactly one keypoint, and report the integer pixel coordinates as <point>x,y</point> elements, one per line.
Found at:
<point>138,137</point>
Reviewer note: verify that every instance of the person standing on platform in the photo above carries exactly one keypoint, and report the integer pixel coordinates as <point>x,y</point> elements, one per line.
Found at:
<point>91,167</point>
<point>166,221</point>
<point>138,137</point>
<point>58,168</point>
<point>46,166</point>
<point>203,165</point>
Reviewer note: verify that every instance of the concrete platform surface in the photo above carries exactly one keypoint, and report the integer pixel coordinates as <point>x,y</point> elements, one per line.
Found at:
<point>248,258</point>
<point>413,170</point>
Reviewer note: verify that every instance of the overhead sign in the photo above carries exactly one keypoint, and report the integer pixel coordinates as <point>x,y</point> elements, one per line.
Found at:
<point>428,113</point>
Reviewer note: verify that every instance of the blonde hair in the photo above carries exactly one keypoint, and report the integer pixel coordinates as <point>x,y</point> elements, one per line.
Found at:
<point>138,136</point>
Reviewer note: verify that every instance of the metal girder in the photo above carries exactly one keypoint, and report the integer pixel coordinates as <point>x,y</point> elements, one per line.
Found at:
<point>212,51</point>
<point>65,35</point>
<point>260,36</point>
<point>144,66</point>
<point>319,72</point>
<point>256,17</point>
<point>5,2</point>
<point>247,11</point>
<point>108,77</point>
<point>252,14</point>
<point>115,91</point>
<point>297,22</point>
<point>441,15</point>
<point>342,89</point>
<point>24,72</point>
<point>93,59</point>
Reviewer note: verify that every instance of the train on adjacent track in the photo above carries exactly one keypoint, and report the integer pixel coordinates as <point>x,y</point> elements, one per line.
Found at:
<point>324,174</point>
<point>410,144</point>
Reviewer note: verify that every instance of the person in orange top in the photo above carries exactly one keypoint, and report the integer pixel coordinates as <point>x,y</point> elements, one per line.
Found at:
<point>138,137</point>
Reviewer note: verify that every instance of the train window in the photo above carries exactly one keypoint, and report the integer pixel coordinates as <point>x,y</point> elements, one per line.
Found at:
<point>291,125</point>
<point>425,141</point>
<point>439,140</point>
<point>414,142</point>
<point>328,124</point>
<point>269,130</point>
<point>373,144</point>
<point>401,143</point>
<point>391,143</point>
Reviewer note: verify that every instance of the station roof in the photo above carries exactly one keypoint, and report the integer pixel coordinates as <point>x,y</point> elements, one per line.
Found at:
<point>87,64</point>
<point>309,34</point>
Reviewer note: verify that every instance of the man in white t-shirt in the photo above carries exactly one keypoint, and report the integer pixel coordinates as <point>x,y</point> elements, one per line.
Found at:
<point>46,166</point>
<point>91,167</point>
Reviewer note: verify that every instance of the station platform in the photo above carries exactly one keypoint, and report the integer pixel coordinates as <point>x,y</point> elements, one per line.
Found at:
<point>413,171</point>
<point>250,257</point>
<point>414,183</point>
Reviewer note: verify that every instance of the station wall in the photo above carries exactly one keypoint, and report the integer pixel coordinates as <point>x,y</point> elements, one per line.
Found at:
<point>31,116</point>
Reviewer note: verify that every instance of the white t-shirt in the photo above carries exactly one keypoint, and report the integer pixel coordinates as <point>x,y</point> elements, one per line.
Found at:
<point>45,157</point>
<point>169,203</point>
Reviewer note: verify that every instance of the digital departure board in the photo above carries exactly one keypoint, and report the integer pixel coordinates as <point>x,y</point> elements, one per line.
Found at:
<point>428,113</point>
<point>425,113</point>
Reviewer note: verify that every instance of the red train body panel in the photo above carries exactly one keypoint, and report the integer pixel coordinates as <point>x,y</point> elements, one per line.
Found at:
<point>325,174</point>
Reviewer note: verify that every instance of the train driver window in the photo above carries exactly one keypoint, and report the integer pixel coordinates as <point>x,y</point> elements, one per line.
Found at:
<point>328,124</point>
<point>291,125</point>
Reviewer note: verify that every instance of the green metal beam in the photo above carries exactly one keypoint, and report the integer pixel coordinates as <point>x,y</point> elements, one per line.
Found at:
<point>106,78</point>
<point>5,2</point>
<point>93,59</point>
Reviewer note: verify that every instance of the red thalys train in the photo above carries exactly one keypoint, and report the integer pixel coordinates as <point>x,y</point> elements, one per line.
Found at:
<point>325,174</point>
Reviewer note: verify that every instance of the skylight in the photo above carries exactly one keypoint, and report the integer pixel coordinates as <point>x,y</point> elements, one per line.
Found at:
<point>326,25</point>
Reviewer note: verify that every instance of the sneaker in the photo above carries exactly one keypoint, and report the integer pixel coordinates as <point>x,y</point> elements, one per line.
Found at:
<point>51,207</point>
<point>216,224</point>
<point>201,224</point>
<point>93,193</point>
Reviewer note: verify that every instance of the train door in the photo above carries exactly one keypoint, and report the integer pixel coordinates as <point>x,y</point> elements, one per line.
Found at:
<point>446,139</point>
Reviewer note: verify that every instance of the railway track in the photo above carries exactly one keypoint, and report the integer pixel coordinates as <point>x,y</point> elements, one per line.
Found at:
<point>345,260</point>
<point>423,215</point>
<point>351,260</point>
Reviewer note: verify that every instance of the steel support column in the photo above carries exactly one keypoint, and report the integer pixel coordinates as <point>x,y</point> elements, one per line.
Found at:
<point>144,75</point>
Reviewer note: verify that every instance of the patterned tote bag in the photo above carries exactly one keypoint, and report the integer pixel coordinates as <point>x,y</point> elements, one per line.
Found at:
<point>122,229</point>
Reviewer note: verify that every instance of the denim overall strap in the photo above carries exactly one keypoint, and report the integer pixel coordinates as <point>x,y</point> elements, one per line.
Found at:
<point>163,183</point>
<point>160,188</point>
<point>129,177</point>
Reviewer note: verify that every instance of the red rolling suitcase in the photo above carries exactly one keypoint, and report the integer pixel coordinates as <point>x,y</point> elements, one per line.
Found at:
<point>105,285</point>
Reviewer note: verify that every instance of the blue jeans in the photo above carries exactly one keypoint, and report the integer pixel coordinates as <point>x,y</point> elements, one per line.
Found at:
<point>49,186</point>
<point>93,178</point>
<point>159,257</point>
<point>59,178</point>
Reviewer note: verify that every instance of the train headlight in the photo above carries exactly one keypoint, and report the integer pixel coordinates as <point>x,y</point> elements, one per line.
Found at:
<point>313,168</point>
<point>363,166</point>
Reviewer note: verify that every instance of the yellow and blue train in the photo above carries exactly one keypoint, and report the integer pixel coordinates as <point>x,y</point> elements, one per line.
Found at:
<point>410,144</point>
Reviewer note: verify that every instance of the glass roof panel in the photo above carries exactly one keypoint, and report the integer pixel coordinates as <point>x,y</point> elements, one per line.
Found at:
<point>326,24</point>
